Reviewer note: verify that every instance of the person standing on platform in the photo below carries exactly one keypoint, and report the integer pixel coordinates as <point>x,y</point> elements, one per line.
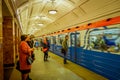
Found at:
<point>24,52</point>
<point>45,48</point>
<point>65,48</point>
<point>36,44</point>
<point>31,44</point>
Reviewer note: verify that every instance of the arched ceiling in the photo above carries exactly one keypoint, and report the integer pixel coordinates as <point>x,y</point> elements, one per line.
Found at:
<point>33,13</point>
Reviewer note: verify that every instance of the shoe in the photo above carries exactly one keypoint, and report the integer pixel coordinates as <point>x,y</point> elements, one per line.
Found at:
<point>65,62</point>
<point>45,60</point>
<point>29,78</point>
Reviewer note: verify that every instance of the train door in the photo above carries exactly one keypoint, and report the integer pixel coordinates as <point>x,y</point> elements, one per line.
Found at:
<point>59,41</point>
<point>54,44</point>
<point>72,47</point>
<point>75,45</point>
<point>51,44</point>
<point>40,42</point>
<point>78,49</point>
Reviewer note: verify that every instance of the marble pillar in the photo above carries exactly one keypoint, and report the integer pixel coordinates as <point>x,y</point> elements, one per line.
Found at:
<point>16,42</point>
<point>9,42</point>
<point>1,43</point>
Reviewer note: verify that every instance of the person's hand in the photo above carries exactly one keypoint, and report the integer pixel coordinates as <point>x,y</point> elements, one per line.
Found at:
<point>32,49</point>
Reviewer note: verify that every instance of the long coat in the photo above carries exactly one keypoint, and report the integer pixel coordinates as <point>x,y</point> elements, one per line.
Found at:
<point>24,53</point>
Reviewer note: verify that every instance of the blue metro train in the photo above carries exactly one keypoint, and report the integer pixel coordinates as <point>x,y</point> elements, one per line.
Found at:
<point>97,49</point>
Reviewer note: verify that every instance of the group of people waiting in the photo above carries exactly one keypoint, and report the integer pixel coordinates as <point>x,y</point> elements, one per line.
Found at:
<point>26,49</point>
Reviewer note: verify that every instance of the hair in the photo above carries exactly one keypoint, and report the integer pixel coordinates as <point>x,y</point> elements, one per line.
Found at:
<point>32,36</point>
<point>23,37</point>
<point>66,36</point>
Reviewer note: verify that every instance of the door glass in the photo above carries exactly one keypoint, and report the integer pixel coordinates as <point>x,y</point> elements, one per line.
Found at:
<point>73,40</point>
<point>77,40</point>
<point>60,39</point>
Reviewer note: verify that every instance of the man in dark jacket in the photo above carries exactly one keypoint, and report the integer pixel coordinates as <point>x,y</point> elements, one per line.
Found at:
<point>65,48</point>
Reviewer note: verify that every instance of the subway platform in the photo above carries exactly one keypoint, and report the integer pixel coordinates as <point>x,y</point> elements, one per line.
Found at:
<point>54,69</point>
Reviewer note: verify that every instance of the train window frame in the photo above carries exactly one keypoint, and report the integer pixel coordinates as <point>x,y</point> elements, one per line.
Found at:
<point>72,40</point>
<point>112,31</point>
<point>60,39</point>
<point>77,39</point>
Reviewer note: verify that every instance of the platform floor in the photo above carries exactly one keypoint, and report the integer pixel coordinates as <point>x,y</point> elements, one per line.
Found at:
<point>54,69</point>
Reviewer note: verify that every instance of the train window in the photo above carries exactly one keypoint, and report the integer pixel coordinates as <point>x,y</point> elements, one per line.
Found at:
<point>78,40</point>
<point>73,40</point>
<point>57,40</point>
<point>49,40</point>
<point>105,39</point>
<point>60,39</point>
<point>40,40</point>
<point>54,40</point>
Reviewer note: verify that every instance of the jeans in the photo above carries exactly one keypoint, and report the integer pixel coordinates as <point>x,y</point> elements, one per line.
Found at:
<point>45,55</point>
<point>65,58</point>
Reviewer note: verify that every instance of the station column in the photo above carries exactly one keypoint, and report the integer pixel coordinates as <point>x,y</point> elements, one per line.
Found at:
<point>1,43</point>
<point>8,40</point>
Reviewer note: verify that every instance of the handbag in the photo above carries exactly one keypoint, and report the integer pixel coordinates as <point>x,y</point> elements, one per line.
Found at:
<point>45,49</point>
<point>62,50</point>
<point>33,56</point>
<point>29,60</point>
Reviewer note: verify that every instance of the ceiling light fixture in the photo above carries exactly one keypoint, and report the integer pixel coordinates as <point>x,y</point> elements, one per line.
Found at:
<point>40,24</point>
<point>36,17</point>
<point>52,11</point>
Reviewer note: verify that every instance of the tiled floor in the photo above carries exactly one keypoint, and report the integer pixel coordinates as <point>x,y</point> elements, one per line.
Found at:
<point>49,70</point>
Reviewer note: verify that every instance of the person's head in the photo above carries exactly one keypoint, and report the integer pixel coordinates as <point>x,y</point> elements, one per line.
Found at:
<point>66,37</point>
<point>45,39</point>
<point>31,36</point>
<point>25,37</point>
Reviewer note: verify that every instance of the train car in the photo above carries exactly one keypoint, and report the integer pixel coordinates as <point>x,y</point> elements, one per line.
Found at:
<point>93,27</point>
<point>95,46</point>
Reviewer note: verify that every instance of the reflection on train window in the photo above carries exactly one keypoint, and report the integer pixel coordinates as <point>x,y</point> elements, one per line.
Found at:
<point>73,40</point>
<point>60,39</point>
<point>105,40</point>
<point>54,40</point>
<point>48,38</point>
<point>78,40</point>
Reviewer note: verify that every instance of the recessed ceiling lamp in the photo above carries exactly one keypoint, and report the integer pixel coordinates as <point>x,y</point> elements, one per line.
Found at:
<point>40,24</point>
<point>36,17</point>
<point>52,11</point>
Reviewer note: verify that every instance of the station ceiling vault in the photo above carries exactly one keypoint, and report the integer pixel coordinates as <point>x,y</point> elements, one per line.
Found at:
<point>40,17</point>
